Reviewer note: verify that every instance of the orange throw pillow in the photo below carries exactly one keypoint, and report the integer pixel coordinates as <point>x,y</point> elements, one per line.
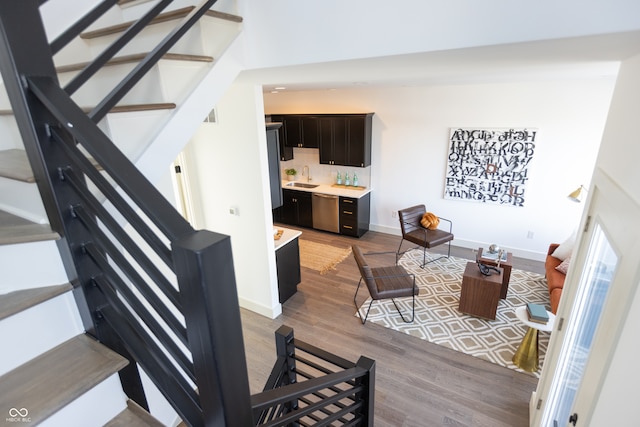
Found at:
<point>430,221</point>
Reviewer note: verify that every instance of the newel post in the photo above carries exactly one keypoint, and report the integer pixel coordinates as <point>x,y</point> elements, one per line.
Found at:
<point>286,349</point>
<point>204,267</point>
<point>368,383</point>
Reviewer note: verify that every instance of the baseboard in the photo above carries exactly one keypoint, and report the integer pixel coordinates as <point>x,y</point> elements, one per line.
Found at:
<point>469,244</point>
<point>270,312</point>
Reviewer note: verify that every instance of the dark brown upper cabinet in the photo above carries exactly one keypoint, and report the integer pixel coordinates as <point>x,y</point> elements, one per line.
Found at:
<point>345,139</point>
<point>300,130</point>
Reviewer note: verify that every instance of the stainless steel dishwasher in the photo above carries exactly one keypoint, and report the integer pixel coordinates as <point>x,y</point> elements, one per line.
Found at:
<point>325,212</point>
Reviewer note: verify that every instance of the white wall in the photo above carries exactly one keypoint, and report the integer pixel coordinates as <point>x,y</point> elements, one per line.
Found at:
<point>617,401</point>
<point>410,141</point>
<point>229,162</point>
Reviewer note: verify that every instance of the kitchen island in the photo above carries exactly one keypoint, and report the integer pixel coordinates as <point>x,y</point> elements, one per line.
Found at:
<point>287,262</point>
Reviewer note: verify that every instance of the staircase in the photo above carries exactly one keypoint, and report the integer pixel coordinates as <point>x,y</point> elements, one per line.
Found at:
<point>98,269</point>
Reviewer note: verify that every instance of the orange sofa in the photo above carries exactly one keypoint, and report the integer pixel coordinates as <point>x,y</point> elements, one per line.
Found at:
<point>555,278</point>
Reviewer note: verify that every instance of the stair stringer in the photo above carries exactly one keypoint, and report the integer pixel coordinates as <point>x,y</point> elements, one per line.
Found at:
<point>177,131</point>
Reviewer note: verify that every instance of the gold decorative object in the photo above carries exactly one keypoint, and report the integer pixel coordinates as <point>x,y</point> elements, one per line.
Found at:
<point>526,357</point>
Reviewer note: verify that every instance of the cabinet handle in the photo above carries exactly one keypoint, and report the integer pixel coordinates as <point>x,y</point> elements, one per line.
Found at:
<point>347,201</point>
<point>347,212</point>
<point>347,226</point>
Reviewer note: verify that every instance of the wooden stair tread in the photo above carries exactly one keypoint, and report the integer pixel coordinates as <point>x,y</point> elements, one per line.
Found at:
<point>163,17</point>
<point>142,107</point>
<point>121,108</point>
<point>17,301</point>
<point>55,378</point>
<point>136,57</point>
<point>14,230</point>
<point>15,165</point>
<point>134,416</point>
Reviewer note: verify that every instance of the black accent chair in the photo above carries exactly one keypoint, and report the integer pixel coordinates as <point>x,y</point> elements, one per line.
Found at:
<point>385,283</point>
<point>414,232</point>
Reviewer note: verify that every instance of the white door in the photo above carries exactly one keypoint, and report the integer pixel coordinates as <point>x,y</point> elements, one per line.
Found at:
<point>600,286</point>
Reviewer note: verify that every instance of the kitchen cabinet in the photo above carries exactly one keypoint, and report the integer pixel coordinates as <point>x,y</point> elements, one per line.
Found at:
<point>298,130</point>
<point>285,152</point>
<point>296,208</point>
<point>355,215</point>
<point>273,159</point>
<point>288,267</point>
<point>345,139</point>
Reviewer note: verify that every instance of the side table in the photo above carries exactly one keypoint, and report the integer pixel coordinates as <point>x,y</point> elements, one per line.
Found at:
<point>506,265</point>
<point>526,357</point>
<point>479,294</point>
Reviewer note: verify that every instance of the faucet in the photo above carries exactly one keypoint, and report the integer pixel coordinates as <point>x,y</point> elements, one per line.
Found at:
<point>308,172</point>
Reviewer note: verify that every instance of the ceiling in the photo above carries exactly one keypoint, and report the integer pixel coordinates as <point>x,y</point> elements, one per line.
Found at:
<point>571,58</point>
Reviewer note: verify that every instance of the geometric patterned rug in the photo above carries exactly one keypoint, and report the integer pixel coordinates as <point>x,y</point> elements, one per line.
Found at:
<point>439,321</point>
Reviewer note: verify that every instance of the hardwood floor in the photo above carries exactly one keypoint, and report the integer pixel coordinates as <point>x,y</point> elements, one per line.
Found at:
<point>417,383</point>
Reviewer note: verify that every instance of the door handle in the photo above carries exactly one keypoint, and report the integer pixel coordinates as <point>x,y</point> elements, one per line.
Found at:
<point>573,419</point>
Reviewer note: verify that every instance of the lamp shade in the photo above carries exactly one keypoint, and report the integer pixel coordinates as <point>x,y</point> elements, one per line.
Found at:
<point>577,194</point>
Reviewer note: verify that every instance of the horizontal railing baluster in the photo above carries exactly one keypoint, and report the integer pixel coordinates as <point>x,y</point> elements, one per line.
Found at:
<point>121,235</point>
<point>324,355</point>
<point>119,203</point>
<point>182,397</point>
<point>174,324</point>
<point>116,164</point>
<point>176,353</point>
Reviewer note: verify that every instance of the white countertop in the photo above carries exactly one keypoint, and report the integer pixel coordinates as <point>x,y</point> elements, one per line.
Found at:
<point>287,236</point>
<point>327,189</point>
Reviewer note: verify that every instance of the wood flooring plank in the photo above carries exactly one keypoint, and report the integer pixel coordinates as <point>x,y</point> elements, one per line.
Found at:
<point>417,383</point>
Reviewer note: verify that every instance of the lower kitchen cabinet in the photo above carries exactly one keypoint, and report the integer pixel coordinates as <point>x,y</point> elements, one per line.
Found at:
<point>355,215</point>
<point>288,266</point>
<point>296,208</point>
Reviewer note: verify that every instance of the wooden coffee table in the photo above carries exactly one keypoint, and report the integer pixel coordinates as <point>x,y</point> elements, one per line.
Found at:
<point>506,265</point>
<point>479,294</point>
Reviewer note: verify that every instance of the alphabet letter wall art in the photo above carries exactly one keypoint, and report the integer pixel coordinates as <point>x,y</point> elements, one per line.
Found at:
<point>489,165</point>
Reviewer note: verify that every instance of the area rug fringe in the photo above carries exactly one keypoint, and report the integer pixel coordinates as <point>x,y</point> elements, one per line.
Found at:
<point>439,321</point>
<point>321,257</point>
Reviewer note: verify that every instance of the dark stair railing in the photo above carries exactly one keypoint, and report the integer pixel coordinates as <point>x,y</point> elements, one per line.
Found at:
<point>146,283</point>
<point>311,387</point>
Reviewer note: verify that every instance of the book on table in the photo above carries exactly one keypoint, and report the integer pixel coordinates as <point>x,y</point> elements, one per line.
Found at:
<point>537,313</point>
<point>493,256</point>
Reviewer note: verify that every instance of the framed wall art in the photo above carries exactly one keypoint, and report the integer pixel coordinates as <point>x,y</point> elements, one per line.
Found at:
<point>489,165</point>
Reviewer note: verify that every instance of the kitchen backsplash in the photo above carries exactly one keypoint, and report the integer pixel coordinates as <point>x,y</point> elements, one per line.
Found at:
<point>320,173</point>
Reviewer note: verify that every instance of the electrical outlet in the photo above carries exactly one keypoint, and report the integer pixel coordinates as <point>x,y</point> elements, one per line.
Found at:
<point>394,214</point>
<point>530,235</point>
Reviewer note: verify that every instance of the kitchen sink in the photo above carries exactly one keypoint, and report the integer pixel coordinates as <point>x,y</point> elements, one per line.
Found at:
<point>301,185</point>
